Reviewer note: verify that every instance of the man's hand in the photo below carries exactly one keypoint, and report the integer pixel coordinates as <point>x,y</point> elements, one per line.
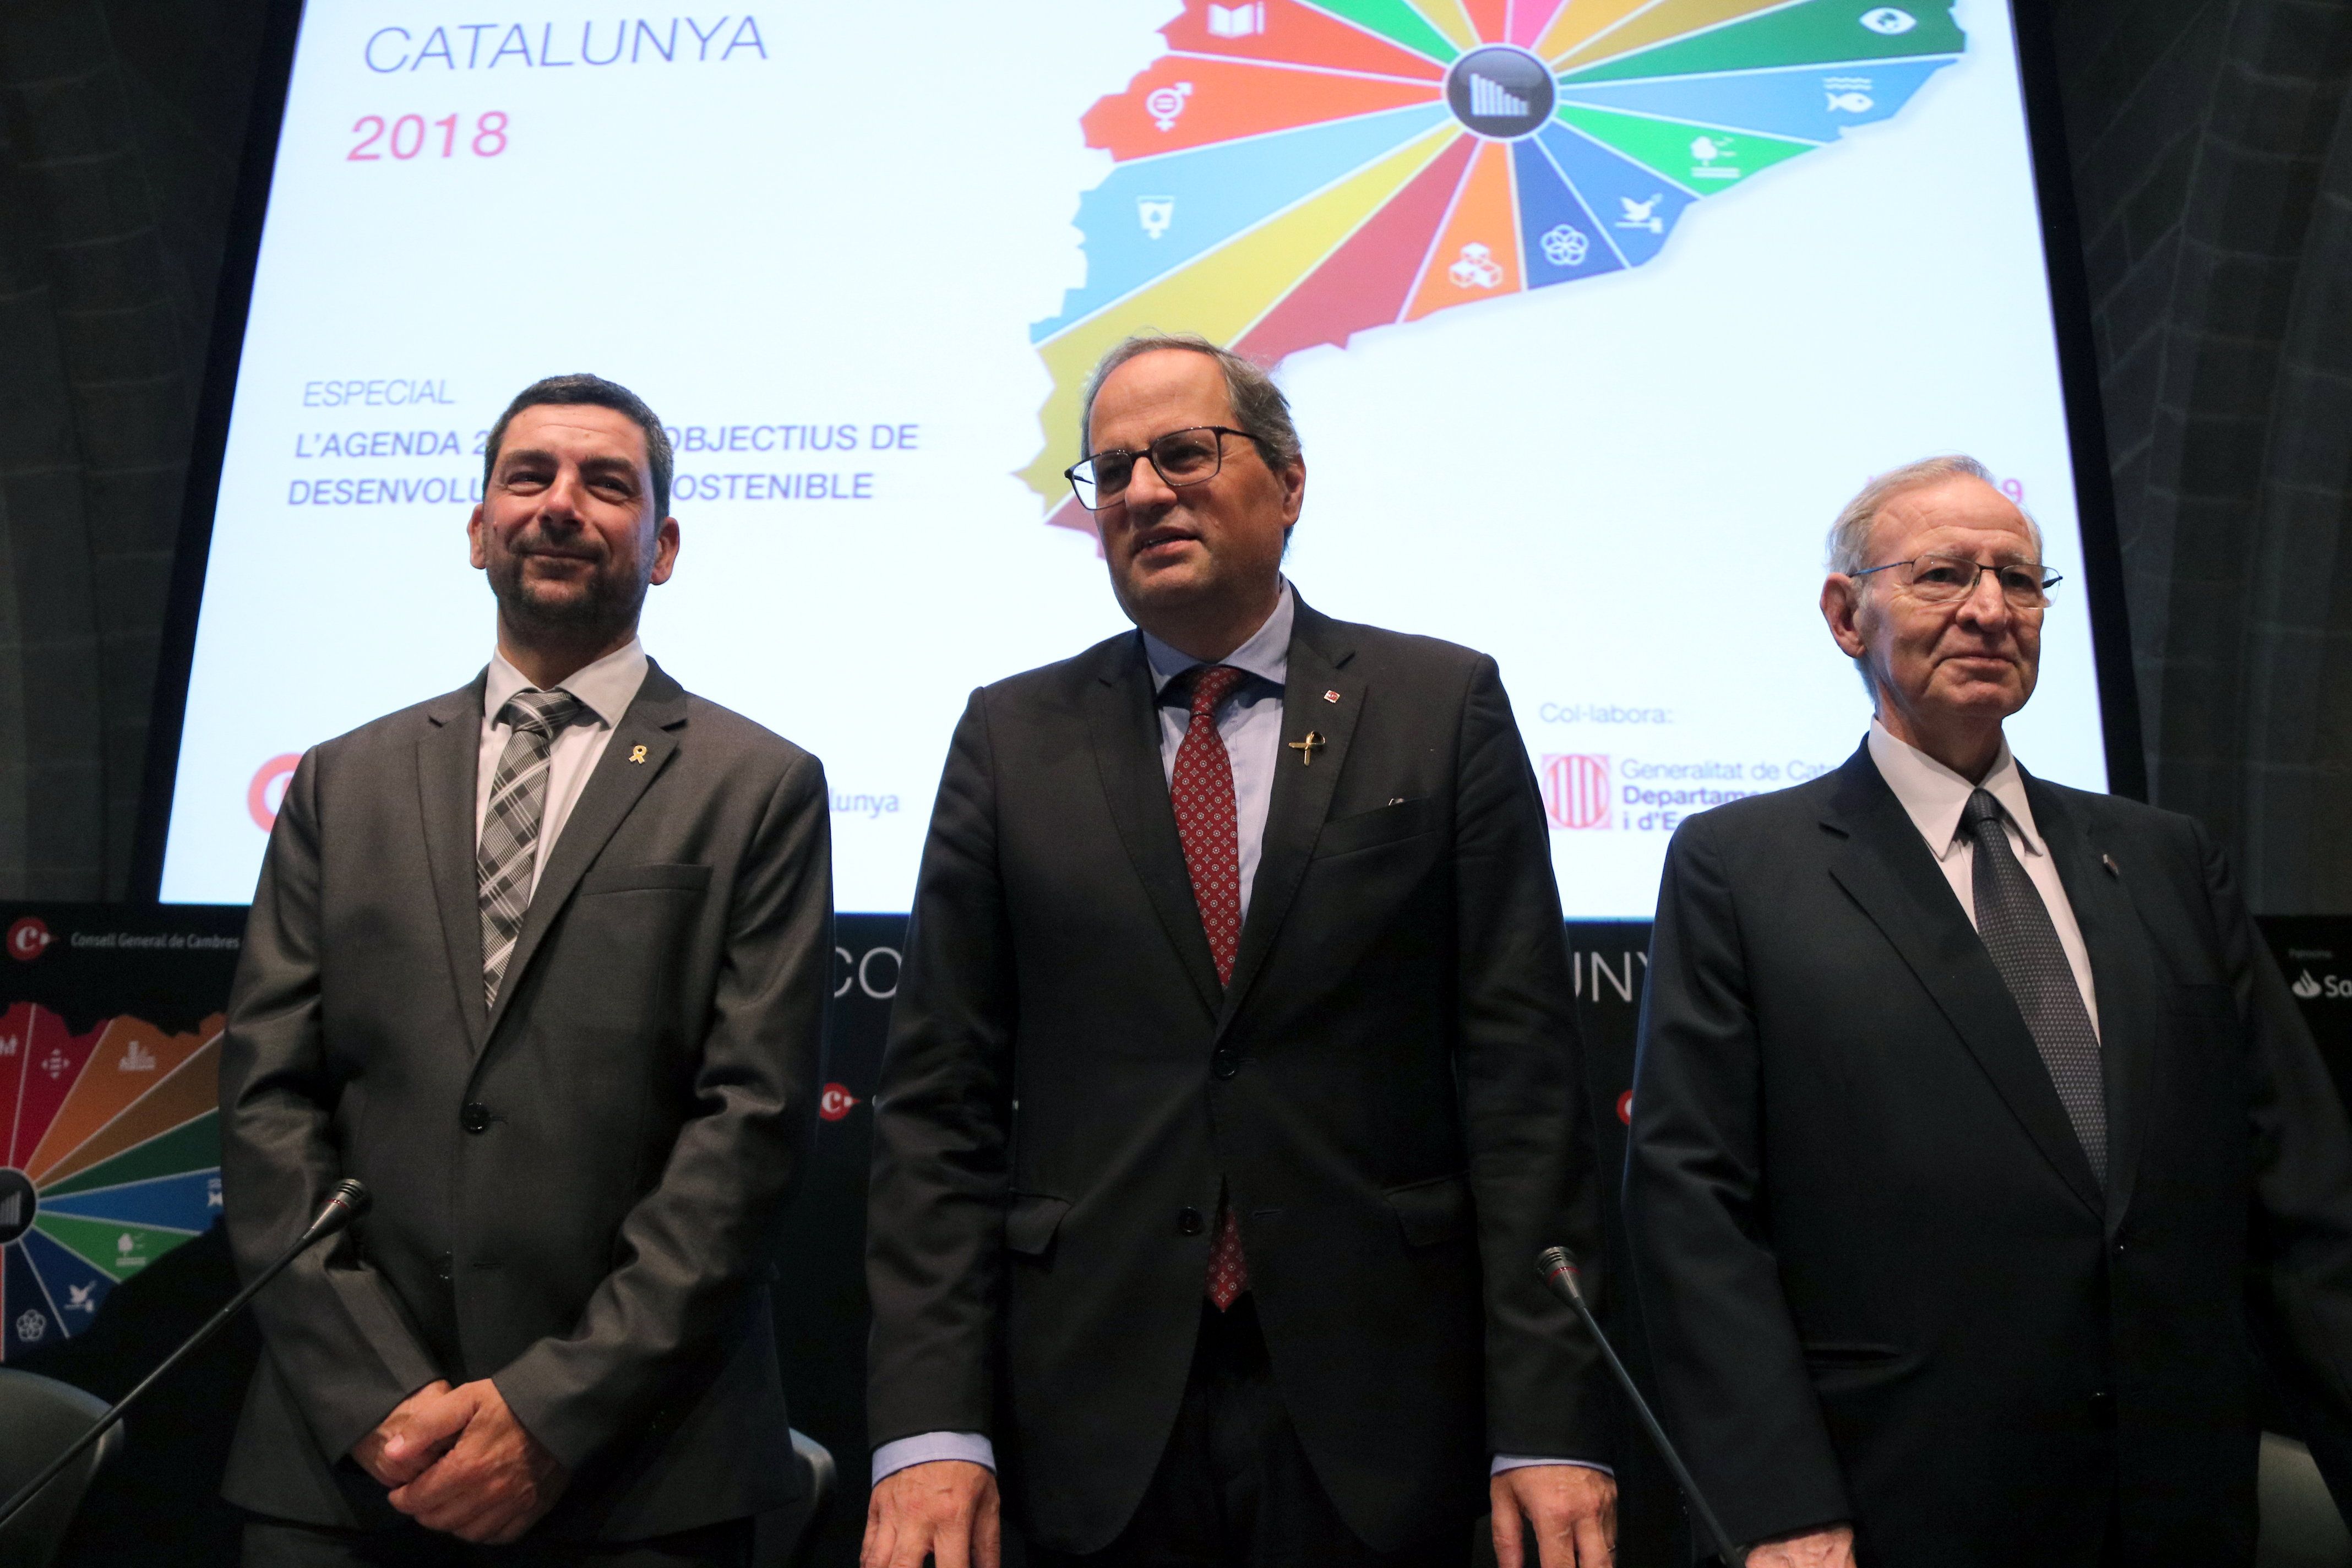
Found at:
<point>1573,1509</point>
<point>1830,1548</point>
<point>947,1509</point>
<point>492,1479</point>
<point>390,1453</point>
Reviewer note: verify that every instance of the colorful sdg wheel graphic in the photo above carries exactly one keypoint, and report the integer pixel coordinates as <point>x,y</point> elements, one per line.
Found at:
<point>1290,174</point>
<point>109,1157</point>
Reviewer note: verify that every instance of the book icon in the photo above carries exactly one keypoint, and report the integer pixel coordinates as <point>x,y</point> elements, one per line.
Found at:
<point>1236,21</point>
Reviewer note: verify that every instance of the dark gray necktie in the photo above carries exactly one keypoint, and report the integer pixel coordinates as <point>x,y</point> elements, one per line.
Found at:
<point>509,852</point>
<point>2016,929</point>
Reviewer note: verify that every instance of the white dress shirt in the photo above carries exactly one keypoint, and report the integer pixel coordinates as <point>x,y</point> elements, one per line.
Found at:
<point>606,687</point>
<point>1250,723</point>
<point>1933,795</point>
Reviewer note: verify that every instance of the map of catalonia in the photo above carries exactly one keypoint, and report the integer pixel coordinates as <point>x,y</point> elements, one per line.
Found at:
<point>1289,173</point>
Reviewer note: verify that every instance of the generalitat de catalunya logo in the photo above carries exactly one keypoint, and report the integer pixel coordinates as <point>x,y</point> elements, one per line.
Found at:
<point>1576,791</point>
<point>268,787</point>
<point>29,938</point>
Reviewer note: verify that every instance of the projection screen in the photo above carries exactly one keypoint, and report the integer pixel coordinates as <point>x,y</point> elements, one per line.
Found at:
<point>1592,314</point>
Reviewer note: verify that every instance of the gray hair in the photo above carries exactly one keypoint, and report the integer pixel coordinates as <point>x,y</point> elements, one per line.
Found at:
<point>1849,540</point>
<point>1259,406</point>
<point>1848,547</point>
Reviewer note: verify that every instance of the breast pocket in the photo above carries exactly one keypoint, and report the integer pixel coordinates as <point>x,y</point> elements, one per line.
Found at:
<point>1370,829</point>
<point>651,875</point>
<point>623,941</point>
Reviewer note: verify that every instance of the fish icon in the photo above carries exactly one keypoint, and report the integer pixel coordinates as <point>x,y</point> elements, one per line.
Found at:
<point>1851,102</point>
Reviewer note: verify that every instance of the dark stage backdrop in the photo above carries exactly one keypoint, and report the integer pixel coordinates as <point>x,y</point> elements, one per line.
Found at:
<point>108,1023</point>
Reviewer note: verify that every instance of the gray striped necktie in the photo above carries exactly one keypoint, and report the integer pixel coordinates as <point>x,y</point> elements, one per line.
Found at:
<point>2016,928</point>
<point>509,847</point>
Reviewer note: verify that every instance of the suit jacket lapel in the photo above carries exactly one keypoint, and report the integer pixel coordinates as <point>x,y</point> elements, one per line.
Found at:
<point>2124,976</point>
<point>1885,868</point>
<point>1124,725</point>
<point>447,754</point>
<point>1303,783</point>
<point>658,709</point>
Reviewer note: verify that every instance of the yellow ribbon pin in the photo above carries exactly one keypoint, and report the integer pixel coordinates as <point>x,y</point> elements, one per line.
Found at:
<point>637,756</point>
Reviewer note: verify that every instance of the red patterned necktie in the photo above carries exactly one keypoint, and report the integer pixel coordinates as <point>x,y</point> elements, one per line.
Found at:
<point>1203,792</point>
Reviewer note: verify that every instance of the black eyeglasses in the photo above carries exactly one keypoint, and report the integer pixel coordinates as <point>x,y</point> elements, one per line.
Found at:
<point>1181,457</point>
<point>1948,579</point>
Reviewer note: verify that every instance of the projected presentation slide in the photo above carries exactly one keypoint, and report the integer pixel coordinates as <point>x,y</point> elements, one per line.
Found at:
<point>1592,315</point>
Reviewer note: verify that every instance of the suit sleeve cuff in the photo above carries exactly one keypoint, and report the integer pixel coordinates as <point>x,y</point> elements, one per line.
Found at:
<point>899,1453</point>
<point>1502,1462</point>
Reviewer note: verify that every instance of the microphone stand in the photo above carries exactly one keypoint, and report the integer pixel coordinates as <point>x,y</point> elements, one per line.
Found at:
<point>1557,1266</point>
<point>345,1204</point>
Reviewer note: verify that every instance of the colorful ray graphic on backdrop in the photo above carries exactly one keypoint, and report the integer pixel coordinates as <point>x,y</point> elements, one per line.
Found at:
<point>109,1157</point>
<point>1291,173</point>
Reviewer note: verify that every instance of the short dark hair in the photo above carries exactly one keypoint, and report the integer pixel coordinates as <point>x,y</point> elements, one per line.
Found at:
<point>582,388</point>
<point>1257,403</point>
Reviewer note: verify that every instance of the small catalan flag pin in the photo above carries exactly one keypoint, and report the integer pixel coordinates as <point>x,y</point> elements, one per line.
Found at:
<point>1330,696</point>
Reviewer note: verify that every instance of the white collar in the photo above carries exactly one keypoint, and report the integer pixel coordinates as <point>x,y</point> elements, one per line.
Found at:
<point>1933,794</point>
<point>1265,655</point>
<point>606,687</point>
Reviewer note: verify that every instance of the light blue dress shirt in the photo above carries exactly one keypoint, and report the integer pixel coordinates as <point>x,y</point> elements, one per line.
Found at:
<point>1250,724</point>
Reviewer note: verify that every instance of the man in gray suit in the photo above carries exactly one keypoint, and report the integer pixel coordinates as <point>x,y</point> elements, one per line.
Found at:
<point>544,963</point>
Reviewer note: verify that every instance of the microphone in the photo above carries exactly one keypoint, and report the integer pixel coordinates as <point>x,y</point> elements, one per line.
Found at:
<point>348,1201</point>
<point>1557,1266</point>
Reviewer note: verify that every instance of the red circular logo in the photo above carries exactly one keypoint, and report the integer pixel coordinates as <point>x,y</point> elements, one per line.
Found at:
<point>836,1102</point>
<point>268,787</point>
<point>1625,1107</point>
<point>28,938</point>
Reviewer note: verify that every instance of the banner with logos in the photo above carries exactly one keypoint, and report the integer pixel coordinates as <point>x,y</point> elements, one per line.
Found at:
<point>107,1063</point>
<point>110,1188</point>
<point>109,1141</point>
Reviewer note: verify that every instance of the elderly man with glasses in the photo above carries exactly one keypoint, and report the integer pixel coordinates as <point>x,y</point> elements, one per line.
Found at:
<point>1232,1079</point>
<point>1968,1109</point>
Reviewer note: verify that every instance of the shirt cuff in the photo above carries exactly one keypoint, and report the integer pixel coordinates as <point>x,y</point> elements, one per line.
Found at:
<point>899,1453</point>
<point>1502,1462</point>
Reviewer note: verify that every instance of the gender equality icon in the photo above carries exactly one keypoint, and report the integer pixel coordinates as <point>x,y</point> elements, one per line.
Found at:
<point>109,1157</point>
<point>1292,174</point>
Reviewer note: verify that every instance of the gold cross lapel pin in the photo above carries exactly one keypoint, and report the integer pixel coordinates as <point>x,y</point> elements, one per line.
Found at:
<point>1307,748</point>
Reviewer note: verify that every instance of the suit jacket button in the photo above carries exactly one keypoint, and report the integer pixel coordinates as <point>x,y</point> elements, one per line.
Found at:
<point>475,1117</point>
<point>1227,1062</point>
<point>1189,1222</point>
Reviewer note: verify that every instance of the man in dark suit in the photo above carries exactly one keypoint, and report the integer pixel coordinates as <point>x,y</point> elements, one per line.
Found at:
<point>544,963</point>
<point>1232,1085</point>
<point>1968,1108</point>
